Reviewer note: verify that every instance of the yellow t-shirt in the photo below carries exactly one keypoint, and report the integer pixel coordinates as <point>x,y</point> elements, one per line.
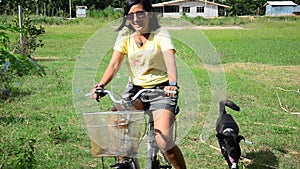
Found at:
<point>146,65</point>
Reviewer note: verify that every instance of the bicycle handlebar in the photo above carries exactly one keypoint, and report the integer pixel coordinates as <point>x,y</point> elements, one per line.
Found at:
<point>103,92</point>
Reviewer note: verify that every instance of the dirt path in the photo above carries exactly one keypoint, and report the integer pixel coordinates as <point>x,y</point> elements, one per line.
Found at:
<point>205,27</point>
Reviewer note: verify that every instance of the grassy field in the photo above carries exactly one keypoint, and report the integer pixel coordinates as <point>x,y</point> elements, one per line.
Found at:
<point>261,64</point>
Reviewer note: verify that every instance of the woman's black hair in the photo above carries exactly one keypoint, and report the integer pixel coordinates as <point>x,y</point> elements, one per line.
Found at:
<point>147,6</point>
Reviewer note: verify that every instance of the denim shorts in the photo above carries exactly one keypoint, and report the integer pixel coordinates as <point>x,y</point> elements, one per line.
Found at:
<point>158,101</point>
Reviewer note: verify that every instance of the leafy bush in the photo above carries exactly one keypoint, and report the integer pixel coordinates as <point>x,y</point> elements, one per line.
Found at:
<point>15,59</point>
<point>108,13</point>
<point>30,32</point>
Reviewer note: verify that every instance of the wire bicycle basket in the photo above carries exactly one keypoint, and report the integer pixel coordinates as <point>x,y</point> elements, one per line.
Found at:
<point>115,133</point>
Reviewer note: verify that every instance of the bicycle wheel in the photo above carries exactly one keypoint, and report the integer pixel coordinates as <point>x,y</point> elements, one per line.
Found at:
<point>155,164</point>
<point>128,163</point>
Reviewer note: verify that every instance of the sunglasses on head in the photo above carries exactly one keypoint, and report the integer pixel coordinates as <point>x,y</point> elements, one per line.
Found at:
<point>138,15</point>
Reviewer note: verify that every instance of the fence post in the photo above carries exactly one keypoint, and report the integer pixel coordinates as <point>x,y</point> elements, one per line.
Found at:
<point>20,26</point>
<point>70,8</point>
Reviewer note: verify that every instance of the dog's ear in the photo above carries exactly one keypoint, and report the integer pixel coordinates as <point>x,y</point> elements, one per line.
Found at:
<point>220,136</point>
<point>240,138</point>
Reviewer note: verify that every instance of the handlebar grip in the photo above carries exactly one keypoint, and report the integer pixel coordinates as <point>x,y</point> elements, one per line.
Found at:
<point>171,92</point>
<point>100,92</point>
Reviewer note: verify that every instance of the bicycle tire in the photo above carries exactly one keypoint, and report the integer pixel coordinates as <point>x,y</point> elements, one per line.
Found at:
<point>155,164</point>
<point>126,164</point>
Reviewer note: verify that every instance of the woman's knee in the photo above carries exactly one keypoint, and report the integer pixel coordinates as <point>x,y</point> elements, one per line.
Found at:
<point>164,141</point>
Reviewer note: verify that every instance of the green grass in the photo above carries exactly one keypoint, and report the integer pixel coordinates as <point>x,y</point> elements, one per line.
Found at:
<point>259,61</point>
<point>274,43</point>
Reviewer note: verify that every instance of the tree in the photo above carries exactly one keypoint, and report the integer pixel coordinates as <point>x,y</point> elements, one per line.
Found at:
<point>245,7</point>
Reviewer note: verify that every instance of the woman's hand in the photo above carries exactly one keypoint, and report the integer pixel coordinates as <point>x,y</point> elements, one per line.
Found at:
<point>168,90</point>
<point>94,95</point>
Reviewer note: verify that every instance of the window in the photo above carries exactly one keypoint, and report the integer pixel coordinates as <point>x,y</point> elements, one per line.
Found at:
<point>171,9</point>
<point>200,9</point>
<point>186,9</point>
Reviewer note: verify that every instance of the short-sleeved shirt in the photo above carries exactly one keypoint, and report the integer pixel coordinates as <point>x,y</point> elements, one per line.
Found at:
<point>146,65</point>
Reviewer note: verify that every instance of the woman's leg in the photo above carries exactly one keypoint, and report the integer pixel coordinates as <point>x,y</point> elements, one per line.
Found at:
<point>164,125</point>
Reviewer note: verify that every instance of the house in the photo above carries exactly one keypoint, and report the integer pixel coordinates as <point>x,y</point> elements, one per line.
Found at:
<point>278,8</point>
<point>297,10</point>
<point>191,8</point>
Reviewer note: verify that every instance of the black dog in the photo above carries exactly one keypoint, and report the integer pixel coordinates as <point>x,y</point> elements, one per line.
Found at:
<point>227,134</point>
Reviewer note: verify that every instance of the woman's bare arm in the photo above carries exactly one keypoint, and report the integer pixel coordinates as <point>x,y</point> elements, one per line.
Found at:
<point>112,68</point>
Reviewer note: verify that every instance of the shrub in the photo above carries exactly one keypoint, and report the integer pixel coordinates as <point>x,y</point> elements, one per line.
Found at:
<point>108,13</point>
<point>30,33</point>
<point>14,59</point>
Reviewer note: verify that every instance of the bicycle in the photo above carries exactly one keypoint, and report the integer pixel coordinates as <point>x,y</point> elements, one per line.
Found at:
<point>122,127</point>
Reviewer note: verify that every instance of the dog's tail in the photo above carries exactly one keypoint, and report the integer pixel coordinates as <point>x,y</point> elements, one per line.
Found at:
<point>229,104</point>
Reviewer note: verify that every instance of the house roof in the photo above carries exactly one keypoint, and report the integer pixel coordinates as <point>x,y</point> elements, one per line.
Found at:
<point>178,1</point>
<point>280,3</point>
<point>167,3</point>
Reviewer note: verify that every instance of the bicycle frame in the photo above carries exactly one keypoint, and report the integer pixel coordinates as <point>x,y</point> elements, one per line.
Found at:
<point>152,156</point>
<point>152,147</point>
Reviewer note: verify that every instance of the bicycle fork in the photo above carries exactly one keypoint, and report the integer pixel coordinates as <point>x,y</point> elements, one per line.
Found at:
<point>152,148</point>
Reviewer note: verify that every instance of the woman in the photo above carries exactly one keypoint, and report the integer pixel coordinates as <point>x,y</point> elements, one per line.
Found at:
<point>150,58</point>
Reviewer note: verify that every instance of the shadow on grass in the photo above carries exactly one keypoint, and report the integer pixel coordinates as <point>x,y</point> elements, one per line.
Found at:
<point>6,120</point>
<point>17,93</point>
<point>9,95</point>
<point>262,159</point>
